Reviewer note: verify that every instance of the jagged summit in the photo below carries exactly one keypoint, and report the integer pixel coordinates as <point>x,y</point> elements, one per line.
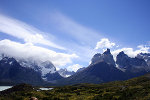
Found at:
<point>145,56</point>
<point>106,56</point>
<point>65,73</point>
<point>107,51</point>
<point>8,60</point>
<point>136,64</point>
<point>122,60</point>
<point>122,53</point>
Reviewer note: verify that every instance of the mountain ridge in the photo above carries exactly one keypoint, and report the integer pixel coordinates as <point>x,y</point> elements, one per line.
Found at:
<point>12,72</point>
<point>103,69</point>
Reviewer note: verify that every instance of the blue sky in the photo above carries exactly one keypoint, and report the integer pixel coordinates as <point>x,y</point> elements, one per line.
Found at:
<point>73,31</point>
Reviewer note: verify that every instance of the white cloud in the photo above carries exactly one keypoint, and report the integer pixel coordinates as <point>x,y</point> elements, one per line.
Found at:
<point>104,43</point>
<point>130,52</point>
<point>143,48</point>
<point>74,67</point>
<point>24,31</point>
<point>29,50</point>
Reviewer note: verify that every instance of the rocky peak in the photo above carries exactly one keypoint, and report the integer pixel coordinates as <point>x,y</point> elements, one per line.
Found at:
<point>123,60</point>
<point>96,58</point>
<point>65,73</point>
<point>130,64</point>
<point>122,55</point>
<point>145,56</point>
<point>48,64</point>
<point>106,57</point>
<point>80,69</point>
<point>107,51</point>
<point>8,60</point>
<point>97,55</point>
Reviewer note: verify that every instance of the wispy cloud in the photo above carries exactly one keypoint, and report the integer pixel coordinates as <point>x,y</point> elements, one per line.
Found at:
<point>76,31</point>
<point>24,31</point>
<point>79,39</point>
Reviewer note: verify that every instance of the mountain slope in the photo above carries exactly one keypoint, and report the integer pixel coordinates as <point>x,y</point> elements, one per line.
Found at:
<point>96,73</point>
<point>45,70</point>
<point>12,71</point>
<point>80,69</point>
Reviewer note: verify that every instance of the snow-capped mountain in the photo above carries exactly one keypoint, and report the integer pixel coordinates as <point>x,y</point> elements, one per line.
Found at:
<point>44,68</point>
<point>65,73</point>
<point>12,72</point>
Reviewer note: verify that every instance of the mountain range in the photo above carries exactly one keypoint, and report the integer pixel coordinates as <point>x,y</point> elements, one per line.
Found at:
<point>103,68</point>
<point>12,72</point>
<point>26,71</point>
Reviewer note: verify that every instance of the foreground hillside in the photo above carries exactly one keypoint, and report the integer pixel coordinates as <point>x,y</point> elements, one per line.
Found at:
<point>133,89</point>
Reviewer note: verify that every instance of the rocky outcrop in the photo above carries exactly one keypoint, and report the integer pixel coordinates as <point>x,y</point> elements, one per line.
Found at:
<point>106,56</point>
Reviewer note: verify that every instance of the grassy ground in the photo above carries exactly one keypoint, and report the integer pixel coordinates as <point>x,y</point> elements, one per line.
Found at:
<point>133,89</point>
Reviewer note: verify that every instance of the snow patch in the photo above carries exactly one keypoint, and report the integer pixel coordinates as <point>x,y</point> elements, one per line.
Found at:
<point>47,70</point>
<point>10,62</point>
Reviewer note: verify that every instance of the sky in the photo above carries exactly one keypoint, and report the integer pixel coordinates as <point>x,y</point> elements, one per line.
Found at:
<point>69,32</point>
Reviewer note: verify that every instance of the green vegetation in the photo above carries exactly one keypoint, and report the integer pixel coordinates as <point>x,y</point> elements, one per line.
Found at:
<point>133,89</point>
